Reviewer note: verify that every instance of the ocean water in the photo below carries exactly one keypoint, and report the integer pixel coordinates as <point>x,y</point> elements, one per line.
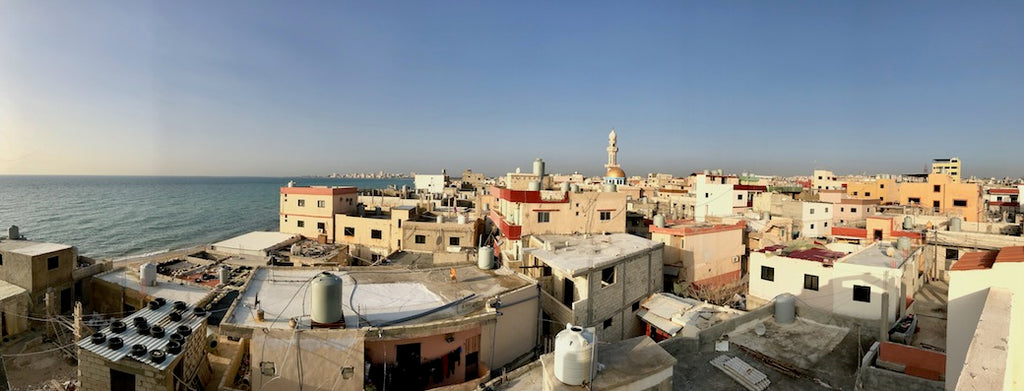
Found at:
<point>117,216</point>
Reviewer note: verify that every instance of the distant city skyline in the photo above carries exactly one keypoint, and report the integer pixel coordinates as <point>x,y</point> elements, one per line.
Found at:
<point>268,89</point>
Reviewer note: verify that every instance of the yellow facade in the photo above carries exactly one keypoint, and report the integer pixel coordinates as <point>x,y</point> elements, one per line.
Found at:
<point>883,190</point>
<point>944,196</point>
<point>949,167</point>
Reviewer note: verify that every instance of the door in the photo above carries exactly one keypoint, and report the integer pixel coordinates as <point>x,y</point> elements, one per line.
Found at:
<point>121,381</point>
<point>65,300</point>
<point>407,366</point>
<point>568,288</point>
<point>878,235</point>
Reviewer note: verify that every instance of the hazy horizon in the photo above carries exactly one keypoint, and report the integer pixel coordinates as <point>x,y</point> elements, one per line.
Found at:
<point>272,90</point>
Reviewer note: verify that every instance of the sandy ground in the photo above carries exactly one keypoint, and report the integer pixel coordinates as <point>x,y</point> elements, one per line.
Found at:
<point>33,372</point>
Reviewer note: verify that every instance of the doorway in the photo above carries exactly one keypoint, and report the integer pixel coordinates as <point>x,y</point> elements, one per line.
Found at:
<point>568,288</point>
<point>878,235</point>
<point>65,300</point>
<point>407,367</point>
<point>121,381</point>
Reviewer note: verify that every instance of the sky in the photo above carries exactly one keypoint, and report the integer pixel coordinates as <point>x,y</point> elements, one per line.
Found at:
<point>293,88</point>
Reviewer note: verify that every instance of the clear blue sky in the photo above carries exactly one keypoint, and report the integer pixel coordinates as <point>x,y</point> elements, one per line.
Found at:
<point>261,88</point>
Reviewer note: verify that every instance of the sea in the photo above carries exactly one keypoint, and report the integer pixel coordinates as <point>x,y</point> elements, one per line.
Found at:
<point>115,217</point>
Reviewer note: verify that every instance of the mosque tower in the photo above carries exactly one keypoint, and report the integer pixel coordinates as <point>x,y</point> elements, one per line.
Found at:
<point>615,174</point>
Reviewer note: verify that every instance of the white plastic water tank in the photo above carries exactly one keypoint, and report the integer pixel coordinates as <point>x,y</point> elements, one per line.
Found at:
<point>485,257</point>
<point>659,220</point>
<point>534,186</point>
<point>326,299</point>
<point>574,352</point>
<point>903,243</point>
<point>224,274</point>
<point>785,308</point>
<point>461,219</point>
<point>147,274</point>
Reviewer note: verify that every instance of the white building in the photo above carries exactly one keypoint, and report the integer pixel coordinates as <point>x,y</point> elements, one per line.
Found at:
<point>810,219</point>
<point>825,180</point>
<point>844,279</point>
<point>711,199</point>
<point>433,184</point>
<point>986,321</point>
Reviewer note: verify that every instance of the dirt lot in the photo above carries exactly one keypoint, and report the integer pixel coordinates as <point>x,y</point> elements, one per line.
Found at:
<point>28,369</point>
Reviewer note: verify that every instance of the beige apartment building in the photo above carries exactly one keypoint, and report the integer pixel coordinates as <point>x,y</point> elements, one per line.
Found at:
<point>309,210</point>
<point>949,166</point>
<point>883,190</point>
<point>35,268</point>
<point>520,213</point>
<point>944,195</point>
<point>379,232</point>
<point>700,255</point>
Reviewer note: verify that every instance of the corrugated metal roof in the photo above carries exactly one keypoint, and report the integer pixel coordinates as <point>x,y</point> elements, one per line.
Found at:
<point>661,323</point>
<point>158,317</point>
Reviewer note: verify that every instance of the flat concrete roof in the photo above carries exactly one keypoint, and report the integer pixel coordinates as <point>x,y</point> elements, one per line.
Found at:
<point>30,248</point>
<point>577,254</point>
<point>627,363</point>
<point>370,296</point>
<point>170,290</point>
<point>875,255</point>
<point>8,290</point>
<point>255,241</point>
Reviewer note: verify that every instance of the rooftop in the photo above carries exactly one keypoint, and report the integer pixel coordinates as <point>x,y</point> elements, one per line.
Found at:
<point>30,248</point>
<point>691,227</point>
<point>877,254</point>
<point>8,290</point>
<point>170,290</point>
<point>256,241</point>
<point>374,297</point>
<point>672,314</point>
<point>130,337</point>
<point>627,365</point>
<point>577,254</point>
<point>813,251</point>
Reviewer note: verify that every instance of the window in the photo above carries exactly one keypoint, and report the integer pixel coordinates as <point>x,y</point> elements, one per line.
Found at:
<point>826,224</point>
<point>812,225</point>
<point>844,210</point>
<point>810,282</point>
<point>862,293</point>
<point>636,306</point>
<point>867,194</point>
<point>952,253</point>
<point>1,259</point>
<point>607,323</point>
<point>321,204</point>
<point>421,239</point>
<point>543,217</point>
<point>607,276</point>
<point>606,216</point>
<point>914,200</point>
<point>853,210</point>
<point>399,223</point>
<point>819,178</point>
<point>302,202</point>
<point>300,223</point>
<point>812,211</point>
<point>320,227</point>
<point>935,204</point>
<point>881,186</point>
<point>826,210</point>
<point>707,195</point>
<point>453,241</point>
<point>350,231</point>
<point>767,273</point>
<point>959,202</point>
<point>999,198</point>
<point>739,197</point>
<point>375,234</point>
<point>52,262</point>
<point>937,188</point>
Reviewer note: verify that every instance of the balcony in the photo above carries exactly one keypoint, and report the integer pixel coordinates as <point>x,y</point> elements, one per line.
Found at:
<point>509,231</point>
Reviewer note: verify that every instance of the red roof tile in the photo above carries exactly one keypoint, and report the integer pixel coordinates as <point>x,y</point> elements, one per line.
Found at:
<point>851,232</point>
<point>750,187</point>
<point>1011,254</point>
<point>975,261</point>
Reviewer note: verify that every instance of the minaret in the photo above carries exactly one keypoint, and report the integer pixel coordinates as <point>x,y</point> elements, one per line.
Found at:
<point>612,150</point>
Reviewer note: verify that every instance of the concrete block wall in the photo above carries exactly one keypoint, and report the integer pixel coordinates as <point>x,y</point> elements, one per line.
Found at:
<point>633,282</point>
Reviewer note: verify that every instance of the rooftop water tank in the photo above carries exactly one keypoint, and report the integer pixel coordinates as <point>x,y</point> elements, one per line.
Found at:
<point>361,210</point>
<point>485,257</point>
<point>564,186</point>
<point>13,233</point>
<point>461,219</point>
<point>785,308</point>
<point>908,223</point>
<point>574,353</point>
<point>954,224</point>
<point>326,299</point>
<point>659,221</point>
<point>575,188</point>
<point>538,168</point>
<point>224,274</point>
<point>903,243</point>
<point>534,186</point>
<point>439,219</point>
<point>147,274</point>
